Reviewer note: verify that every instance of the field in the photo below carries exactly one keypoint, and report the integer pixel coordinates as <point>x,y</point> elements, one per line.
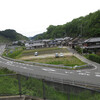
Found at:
<point>47,55</point>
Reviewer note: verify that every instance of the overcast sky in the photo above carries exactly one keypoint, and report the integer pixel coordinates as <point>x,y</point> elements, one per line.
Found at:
<point>31,17</point>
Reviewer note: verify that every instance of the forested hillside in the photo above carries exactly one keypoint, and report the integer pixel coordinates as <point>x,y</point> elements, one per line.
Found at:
<point>11,35</point>
<point>88,26</point>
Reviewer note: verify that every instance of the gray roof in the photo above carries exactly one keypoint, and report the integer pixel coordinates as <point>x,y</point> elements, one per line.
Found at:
<point>66,38</point>
<point>91,47</point>
<point>59,39</point>
<point>38,44</point>
<point>46,40</point>
<point>93,40</point>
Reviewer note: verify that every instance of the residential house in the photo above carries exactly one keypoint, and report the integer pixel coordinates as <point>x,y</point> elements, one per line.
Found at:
<point>92,44</point>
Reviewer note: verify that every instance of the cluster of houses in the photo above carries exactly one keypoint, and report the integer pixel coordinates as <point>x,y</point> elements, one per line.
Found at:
<point>91,44</point>
<point>47,43</point>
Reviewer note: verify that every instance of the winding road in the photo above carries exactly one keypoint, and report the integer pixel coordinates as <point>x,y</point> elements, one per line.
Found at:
<point>90,76</point>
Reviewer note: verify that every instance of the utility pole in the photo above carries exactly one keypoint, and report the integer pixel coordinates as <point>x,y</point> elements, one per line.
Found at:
<point>19,84</point>
<point>43,89</point>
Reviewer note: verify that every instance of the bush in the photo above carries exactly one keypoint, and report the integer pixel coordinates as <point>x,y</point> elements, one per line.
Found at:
<point>78,49</point>
<point>94,57</point>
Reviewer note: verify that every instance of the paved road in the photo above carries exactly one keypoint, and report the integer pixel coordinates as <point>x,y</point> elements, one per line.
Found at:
<point>91,76</point>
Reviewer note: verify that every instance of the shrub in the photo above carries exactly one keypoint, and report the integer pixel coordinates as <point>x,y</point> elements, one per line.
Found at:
<point>94,57</point>
<point>78,49</point>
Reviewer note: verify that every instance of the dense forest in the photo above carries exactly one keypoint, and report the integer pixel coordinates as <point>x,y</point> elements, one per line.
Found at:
<point>11,35</point>
<point>87,26</point>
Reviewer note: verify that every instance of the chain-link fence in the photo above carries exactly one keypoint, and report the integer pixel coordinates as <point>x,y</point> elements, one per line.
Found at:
<point>15,84</point>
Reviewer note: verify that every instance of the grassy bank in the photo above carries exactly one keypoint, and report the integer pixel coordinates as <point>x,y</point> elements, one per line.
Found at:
<point>13,53</point>
<point>8,84</point>
<point>34,87</point>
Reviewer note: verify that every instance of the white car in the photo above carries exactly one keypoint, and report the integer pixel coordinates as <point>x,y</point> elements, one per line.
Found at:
<point>61,55</point>
<point>36,53</point>
<point>56,55</point>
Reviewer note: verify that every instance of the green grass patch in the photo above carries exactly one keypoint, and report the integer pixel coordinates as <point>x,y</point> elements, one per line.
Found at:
<point>8,84</point>
<point>5,71</point>
<point>66,61</point>
<point>13,53</point>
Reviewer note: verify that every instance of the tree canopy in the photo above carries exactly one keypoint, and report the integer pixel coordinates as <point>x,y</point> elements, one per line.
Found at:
<point>12,35</point>
<point>88,26</point>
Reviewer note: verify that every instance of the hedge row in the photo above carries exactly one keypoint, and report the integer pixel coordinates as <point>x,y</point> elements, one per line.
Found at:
<point>94,58</point>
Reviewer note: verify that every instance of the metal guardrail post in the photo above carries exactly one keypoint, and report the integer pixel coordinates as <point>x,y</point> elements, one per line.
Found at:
<point>68,93</point>
<point>43,89</point>
<point>19,84</point>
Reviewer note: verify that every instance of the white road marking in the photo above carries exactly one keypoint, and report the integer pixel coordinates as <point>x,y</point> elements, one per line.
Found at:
<point>97,75</point>
<point>94,66</point>
<point>20,63</point>
<point>48,69</point>
<point>16,62</point>
<point>24,67</point>
<point>83,74</point>
<point>27,64</point>
<point>68,72</point>
<point>10,62</point>
<point>78,71</point>
<point>23,64</point>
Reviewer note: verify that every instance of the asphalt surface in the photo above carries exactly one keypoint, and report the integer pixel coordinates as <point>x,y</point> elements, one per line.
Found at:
<point>91,76</point>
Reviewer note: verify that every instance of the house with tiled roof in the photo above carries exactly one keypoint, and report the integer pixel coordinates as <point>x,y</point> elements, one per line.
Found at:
<point>92,44</point>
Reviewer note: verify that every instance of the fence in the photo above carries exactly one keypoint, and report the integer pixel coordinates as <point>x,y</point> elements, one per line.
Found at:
<point>15,84</point>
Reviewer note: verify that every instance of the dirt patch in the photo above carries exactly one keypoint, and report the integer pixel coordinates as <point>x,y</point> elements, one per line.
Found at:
<point>43,56</point>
